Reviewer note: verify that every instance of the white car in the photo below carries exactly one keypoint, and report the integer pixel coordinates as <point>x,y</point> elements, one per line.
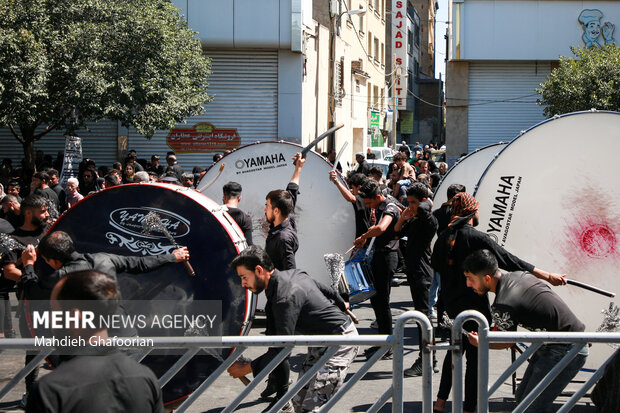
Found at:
<point>381,152</point>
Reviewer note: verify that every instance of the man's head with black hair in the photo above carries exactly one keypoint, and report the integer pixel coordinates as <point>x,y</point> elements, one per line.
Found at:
<point>57,246</point>
<point>481,271</point>
<point>376,173</point>
<point>417,190</point>
<point>254,267</point>
<point>232,190</point>
<point>455,189</point>
<point>35,210</point>
<point>370,192</point>
<point>278,202</point>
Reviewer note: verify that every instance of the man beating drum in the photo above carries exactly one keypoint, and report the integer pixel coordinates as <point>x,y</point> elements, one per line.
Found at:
<point>288,292</point>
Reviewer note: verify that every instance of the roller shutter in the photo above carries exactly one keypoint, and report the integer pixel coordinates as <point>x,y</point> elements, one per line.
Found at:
<point>244,88</point>
<point>99,142</point>
<point>502,100</point>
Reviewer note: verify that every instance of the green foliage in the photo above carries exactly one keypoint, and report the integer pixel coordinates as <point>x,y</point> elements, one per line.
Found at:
<point>589,80</point>
<point>65,62</point>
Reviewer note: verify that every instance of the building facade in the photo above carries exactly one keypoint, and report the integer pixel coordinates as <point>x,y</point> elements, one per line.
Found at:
<point>499,53</point>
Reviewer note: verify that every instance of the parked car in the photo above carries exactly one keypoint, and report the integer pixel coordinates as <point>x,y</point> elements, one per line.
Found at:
<point>381,163</point>
<point>381,152</point>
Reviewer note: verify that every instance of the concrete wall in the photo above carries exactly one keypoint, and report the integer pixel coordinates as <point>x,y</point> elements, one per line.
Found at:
<point>457,84</point>
<point>524,30</point>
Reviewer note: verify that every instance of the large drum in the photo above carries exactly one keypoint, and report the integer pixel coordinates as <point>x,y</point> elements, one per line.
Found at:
<point>111,221</point>
<point>325,221</point>
<point>467,171</point>
<point>552,199</point>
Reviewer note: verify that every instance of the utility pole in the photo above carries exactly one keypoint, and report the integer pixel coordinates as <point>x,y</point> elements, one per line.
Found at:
<point>395,78</point>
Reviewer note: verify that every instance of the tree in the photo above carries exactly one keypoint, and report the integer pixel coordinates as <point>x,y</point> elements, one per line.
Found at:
<point>590,80</point>
<point>66,62</point>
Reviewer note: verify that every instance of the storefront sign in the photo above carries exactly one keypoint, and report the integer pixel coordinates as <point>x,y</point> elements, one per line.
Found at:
<point>399,46</point>
<point>202,137</point>
<point>374,119</point>
<point>593,29</point>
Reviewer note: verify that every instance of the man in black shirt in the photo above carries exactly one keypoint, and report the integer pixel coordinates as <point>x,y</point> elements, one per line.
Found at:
<point>523,300</point>
<point>385,257</point>
<point>419,225</point>
<point>362,165</point>
<point>231,198</point>
<point>53,183</point>
<point>35,211</point>
<point>296,303</point>
<point>40,186</point>
<point>362,213</point>
<point>99,378</point>
<point>281,243</point>
<point>454,244</point>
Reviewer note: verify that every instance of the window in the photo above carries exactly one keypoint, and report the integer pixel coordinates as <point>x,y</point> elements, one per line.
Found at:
<point>410,81</point>
<point>375,90</point>
<point>382,53</point>
<point>383,9</point>
<point>382,97</point>
<point>377,5</point>
<point>361,16</point>
<point>410,42</point>
<point>369,89</point>
<point>376,50</point>
<point>369,50</point>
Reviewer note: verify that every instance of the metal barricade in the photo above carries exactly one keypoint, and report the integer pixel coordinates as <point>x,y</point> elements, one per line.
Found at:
<point>486,337</point>
<point>395,342</point>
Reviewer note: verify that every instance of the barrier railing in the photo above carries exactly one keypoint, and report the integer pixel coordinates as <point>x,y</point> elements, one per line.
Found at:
<point>486,337</point>
<point>192,345</point>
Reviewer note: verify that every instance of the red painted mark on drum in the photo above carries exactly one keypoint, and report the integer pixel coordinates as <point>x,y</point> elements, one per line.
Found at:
<point>598,241</point>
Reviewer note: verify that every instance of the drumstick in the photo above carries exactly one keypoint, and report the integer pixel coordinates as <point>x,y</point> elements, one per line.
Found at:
<point>214,179</point>
<point>353,317</point>
<point>590,287</point>
<point>339,155</point>
<point>325,134</point>
<point>349,250</point>
<point>151,223</point>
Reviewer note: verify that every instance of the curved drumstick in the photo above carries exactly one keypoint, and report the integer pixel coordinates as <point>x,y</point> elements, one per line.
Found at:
<point>339,154</point>
<point>590,287</point>
<point>215,178</point>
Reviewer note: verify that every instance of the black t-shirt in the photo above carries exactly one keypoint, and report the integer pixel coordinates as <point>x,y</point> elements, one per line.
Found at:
<point>420,231</point>
<point>111,382</point>
<point>244,221</point>
<point>523,300</point>
<point>362,216</point>
<point>448,262</point>
<point>387,240</point>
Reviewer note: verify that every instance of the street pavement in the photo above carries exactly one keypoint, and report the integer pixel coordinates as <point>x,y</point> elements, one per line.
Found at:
<point>359,399</point>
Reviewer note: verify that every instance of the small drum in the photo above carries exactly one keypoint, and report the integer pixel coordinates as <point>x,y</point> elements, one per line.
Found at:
<point>110,221</point>
<point>358,278</point>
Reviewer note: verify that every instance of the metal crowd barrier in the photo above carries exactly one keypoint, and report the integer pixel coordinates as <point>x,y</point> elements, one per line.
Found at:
<point>395,342</point>
<point>486,337</point>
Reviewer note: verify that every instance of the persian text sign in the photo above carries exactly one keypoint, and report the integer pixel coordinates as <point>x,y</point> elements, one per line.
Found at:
<point>202,137</point>
<point>399,45</point>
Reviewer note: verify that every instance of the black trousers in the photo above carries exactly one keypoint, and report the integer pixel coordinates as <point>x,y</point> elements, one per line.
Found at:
<point>383,266</point>
<point>471,376</point>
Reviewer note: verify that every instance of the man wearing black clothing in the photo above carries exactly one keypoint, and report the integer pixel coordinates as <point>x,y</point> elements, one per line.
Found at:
<point>171,159</point>
<point>98,379</point>
<point>53,183</point>
<point>58,251</point>
<point>296,303</point>
<point>35,211</point>
<point>523,300</point>
<point>385,257</point>
<point>451,248</point>
<point>281,243</point>
<point>362,213</point>
<point>39,186</point>
<point>362,165</point>
<point>419,225</point>
<point>231,199</point>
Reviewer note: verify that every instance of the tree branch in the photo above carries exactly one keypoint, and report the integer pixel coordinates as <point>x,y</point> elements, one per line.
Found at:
<point>18,137</point>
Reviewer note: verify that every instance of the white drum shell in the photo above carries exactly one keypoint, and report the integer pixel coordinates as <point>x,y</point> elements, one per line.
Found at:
<point>325,220</point>
<point>562,211</point>
<point>467,171</point>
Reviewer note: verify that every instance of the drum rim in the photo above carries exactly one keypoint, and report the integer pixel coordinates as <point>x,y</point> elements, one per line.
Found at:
<point>198,197</point>
<point>524,132</point>
<point>216,165</point>
<point>463,160</point>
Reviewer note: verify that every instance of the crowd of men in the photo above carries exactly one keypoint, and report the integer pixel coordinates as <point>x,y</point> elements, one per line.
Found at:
<point>394,217</point>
